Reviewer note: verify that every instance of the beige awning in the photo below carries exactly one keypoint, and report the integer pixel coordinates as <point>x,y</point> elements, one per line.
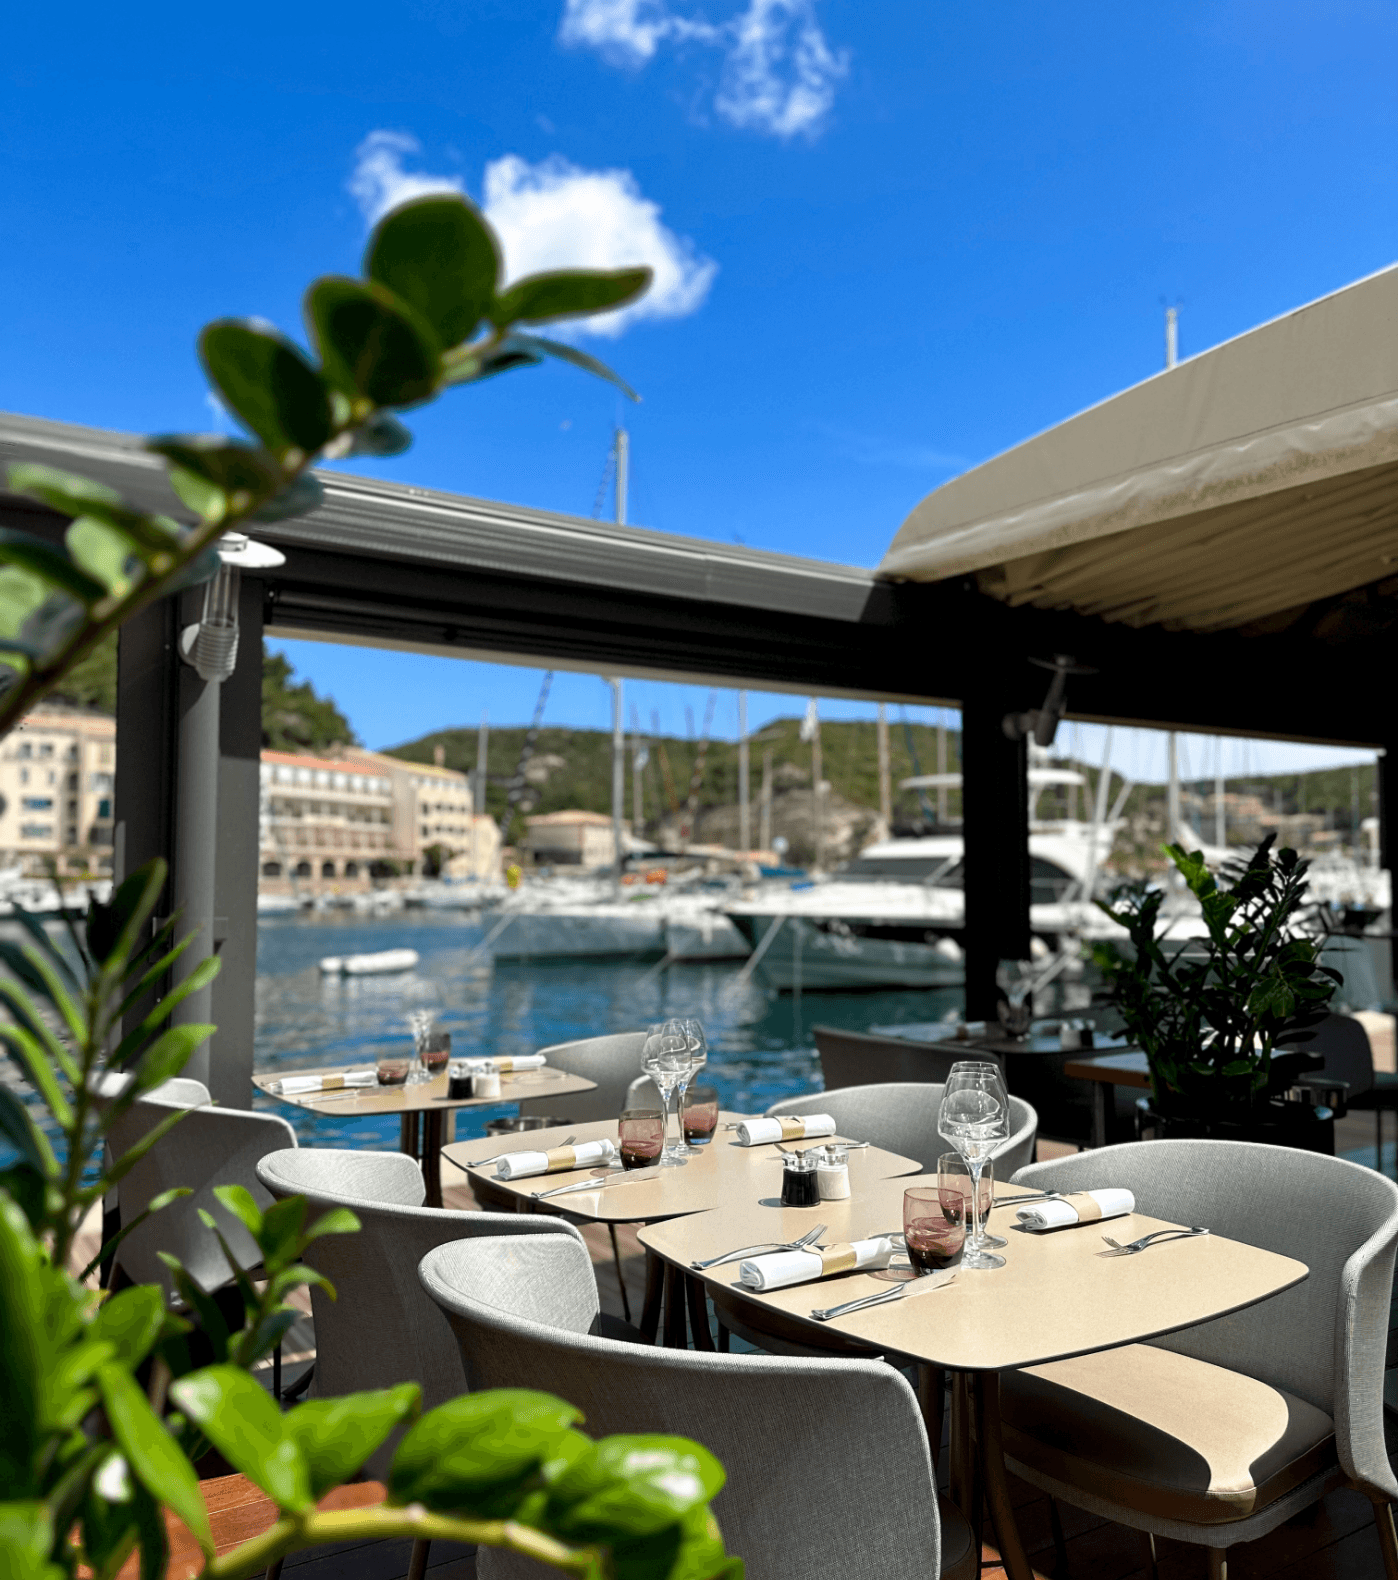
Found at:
<point>1256,477</point>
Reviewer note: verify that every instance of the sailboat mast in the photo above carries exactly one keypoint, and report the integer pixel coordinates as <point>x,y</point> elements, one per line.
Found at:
<point>764,825</point>
<point>885,773</point>
<point>744,796</point>
<point>618,771</point>
<point>1220,808</point>
<point>1172,804</point>
<point>478,799</point>
<point>941,769</point>
<point>622,444</point>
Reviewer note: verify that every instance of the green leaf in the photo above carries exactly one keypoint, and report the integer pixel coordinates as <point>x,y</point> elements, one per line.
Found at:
<point>20,595</point>
<point>75,496</point>
<point>381,434</point>
<point>29,1190</point>
<point>102,552</point>
<point>131,1321</point>
<point>474,1454</point>
<point>339,1220</point>
<point>690,1549</point>
<point>471,369</point>
<point>239,1417</point>
<point>238,1200</point>
<point>154,1456</point>
<point>374,346</point>
<point>53,565</point>
<point>171,1051</point>
<point>307,493</point>
<point>336,1436</point>
<point>23,1352</point>
<point>632,1485</point>
<point>567,293</point>
<point>278,1230</point>
<point>26,1539</point>
<point>269,384</point>
<point>109,1247</point>
<point>123,1165</point>
<point>216,476</point>
<point>539,346</point>
<point>211,1319</point>
<point>437,254</point>
<point>20,1131</point>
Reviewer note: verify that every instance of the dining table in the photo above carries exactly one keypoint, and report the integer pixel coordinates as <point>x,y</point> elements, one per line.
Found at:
<point>1059,1294</point>
<point>723,1172</point>
<point>1106,1072</point>
<point>422,1106</point>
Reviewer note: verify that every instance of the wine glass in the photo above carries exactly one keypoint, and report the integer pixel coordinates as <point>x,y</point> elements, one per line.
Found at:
<point>698,1058</point>
<point>665,1058</point>
<point>1015,979</point>
<point>975,1119</point>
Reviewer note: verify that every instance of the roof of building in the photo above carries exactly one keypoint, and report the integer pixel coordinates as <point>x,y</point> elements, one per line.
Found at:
<point>560,819</point>
<point>407,765</point>
<point>343,765</point>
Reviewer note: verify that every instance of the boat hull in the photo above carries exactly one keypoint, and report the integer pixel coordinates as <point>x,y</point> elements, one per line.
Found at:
<point>710,936</point>
<point>816,955</point>
<point>595,933</point>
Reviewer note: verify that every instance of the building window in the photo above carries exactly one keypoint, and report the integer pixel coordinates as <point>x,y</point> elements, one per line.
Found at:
<point>327,869</point>
<point>351,869</point>
<point>26,749</point>
<point>271,869</point>
<point>303,869</point>
<point>46,749</point>
<point>36,831</point>
<point>38,803</point>
<point>24,776</point>
<point>104,808</point>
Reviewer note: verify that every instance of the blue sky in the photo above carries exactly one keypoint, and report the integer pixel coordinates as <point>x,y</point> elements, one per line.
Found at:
<point>892,239</point>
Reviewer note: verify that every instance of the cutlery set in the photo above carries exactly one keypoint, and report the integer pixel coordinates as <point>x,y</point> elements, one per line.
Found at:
<point>764,1248</point>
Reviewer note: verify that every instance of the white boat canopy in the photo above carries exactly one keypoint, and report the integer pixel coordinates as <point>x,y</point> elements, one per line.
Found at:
<point>1257,477</point>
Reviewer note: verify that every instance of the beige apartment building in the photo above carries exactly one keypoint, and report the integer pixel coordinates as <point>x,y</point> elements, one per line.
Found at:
<point>569,839</point>
<point>57,774</point>
<point>338,823</point>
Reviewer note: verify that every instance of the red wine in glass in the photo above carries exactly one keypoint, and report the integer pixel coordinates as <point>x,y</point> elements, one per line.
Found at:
<point>640,1138</point>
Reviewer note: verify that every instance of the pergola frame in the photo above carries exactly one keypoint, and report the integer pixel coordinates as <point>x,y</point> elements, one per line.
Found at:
<point>386,564</point>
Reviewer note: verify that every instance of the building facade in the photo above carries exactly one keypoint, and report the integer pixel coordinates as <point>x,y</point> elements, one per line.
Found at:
<point>434,809</point>
<point>569,839</point>
<point>57,775</point>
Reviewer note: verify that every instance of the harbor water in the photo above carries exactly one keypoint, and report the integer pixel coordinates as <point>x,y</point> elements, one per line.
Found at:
<point>760,1043</point>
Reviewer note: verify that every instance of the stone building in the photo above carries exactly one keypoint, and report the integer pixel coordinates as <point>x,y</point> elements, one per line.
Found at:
<point>434,810</point>
<point>328,821</point>
<point>569,839</point>
<point>57,773</point>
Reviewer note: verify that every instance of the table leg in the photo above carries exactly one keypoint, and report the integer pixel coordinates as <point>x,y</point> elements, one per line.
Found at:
<point>676,1328</point>
<point>698,1313</point>
<point>961,1452</point>
<point>655,1288</point>
<point>997,1489</point>
<point>1101,1094</point>
<point>408,1143</point>
<point>432,1156</point>
<point>931,1381</point>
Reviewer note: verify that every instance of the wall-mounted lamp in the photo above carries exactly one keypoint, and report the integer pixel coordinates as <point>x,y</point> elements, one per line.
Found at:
<point>211,646</point>
<point>1042,723</point>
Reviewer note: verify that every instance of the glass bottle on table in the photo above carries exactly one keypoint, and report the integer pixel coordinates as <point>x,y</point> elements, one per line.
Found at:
<point>665,1058</point>
<point>975,1119</point>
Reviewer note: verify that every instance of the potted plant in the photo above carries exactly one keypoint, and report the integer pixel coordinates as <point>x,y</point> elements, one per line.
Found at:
<point>1208,1012</point>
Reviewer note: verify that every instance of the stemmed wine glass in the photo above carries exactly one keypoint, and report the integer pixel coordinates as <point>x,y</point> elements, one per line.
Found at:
<point>666,1059</point>
<point>975,1119</point>
<point>698,1058</point>
<point>1015,979</point>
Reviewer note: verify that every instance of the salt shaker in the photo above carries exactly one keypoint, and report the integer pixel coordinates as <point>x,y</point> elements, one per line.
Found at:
<point>832,1173</point>
<point>486,1081</point>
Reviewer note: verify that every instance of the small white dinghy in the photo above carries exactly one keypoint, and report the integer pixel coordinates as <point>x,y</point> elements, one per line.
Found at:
<point>379,964</point>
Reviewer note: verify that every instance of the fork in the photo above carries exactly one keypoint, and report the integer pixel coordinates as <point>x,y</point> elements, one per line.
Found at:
<point>1150,1239</point>
<point>481,1163</point>
<point>750,1250</point>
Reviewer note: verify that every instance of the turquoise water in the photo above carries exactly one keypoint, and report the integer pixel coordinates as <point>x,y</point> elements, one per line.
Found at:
<point>760,1043</point>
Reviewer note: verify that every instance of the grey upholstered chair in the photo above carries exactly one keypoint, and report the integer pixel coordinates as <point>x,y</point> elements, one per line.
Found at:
<point>382,1329</point>
<point>1217,1434</point>
<point>210,1146</point>
<point>613,1062</point>
<point>901,1117</point>
<point>827,1460</point>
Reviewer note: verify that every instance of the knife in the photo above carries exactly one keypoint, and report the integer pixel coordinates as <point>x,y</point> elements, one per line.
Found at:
<point>599,1184</point>
<point>923,1285</point>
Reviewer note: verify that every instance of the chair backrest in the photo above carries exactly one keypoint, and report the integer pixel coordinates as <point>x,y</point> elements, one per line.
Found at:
<point>827,1461</point>
<point>208,1147</point>
<point>1343,1043</point>
<point>858,1058</point>
<point>382,1329</point>
<point>613,1062</point>
<point>1322,1340</point>
<point>901,1116</point>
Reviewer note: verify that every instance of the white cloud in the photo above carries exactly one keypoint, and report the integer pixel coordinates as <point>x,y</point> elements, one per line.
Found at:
<point>779,74</point>
<point>380,182</point>
<point>554,215</point>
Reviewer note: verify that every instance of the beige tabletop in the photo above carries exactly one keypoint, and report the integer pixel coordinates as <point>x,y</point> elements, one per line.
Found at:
<point>1057,1295</point>
<point>724,1172</point>
<point>427,1096</point>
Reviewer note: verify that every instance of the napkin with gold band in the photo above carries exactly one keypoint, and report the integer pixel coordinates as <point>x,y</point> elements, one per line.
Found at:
<point>780,1268</point>
<point>1084,1206</point>
<point>785,1127</point>
<point>522,1061</point>
<point>299,1085</point>
<point>558,1160</point>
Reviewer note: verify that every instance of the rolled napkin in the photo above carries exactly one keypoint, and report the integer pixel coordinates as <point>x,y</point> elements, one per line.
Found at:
<point>1084,1206</point>
<point>520,1165</point>
<point>524,1061</point>
<point>299,1085</point>
<point>785,1127</point>
<point>781,1268</point>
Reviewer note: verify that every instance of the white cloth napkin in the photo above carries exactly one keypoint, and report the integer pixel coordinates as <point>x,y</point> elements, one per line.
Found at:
<point>299,1085</point>
<point>523,1061</point>
<point>586,1155</point>
<point>1058,1214</point>
<point>780,1268</point>
<point>786,1127</point>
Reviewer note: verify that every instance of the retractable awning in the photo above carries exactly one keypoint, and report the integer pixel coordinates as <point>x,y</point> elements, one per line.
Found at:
<point>1257,477</point>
